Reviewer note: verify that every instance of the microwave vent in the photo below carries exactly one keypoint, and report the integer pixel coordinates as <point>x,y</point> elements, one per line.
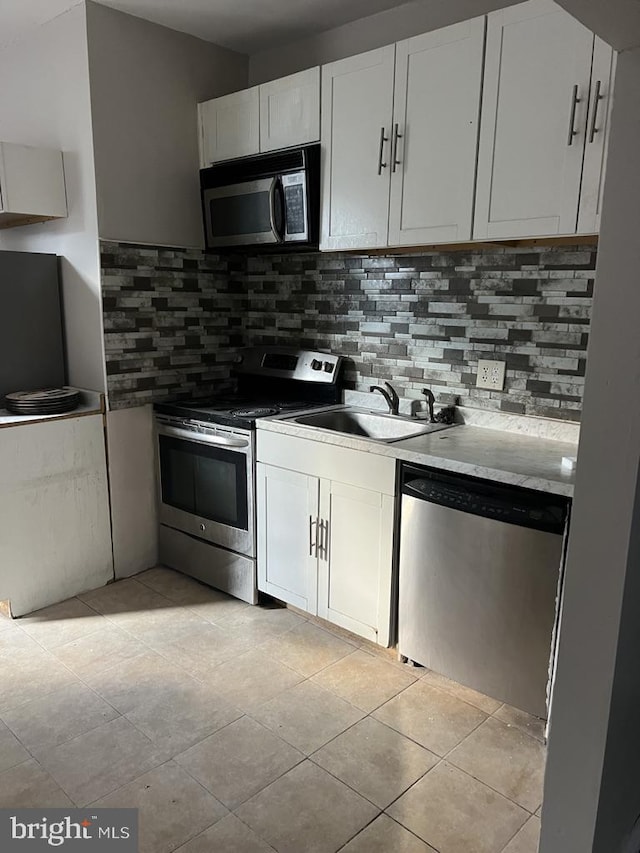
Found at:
<point>252,168</point>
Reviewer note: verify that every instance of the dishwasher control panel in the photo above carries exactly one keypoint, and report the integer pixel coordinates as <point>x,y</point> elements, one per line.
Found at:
<point>510,504</point>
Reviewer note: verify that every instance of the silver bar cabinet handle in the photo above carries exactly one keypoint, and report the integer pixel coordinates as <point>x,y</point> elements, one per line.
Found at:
<point>383,139</point>
<point>324,539</point>
<point>594,118</point>
<point>575,100</point>
<point>396,136</point>
<point>313,544</point>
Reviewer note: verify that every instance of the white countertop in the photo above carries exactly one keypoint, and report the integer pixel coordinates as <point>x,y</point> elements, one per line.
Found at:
<point>90,404</point>
<point>506,457</point>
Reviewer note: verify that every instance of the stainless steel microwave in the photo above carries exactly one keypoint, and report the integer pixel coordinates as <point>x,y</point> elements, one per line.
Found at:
<point>266,201</point>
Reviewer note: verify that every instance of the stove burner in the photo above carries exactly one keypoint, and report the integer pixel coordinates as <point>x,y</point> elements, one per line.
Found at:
<point>257,412</point>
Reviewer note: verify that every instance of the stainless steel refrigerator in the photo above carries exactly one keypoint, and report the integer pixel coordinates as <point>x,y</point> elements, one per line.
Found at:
<point>31,338</point>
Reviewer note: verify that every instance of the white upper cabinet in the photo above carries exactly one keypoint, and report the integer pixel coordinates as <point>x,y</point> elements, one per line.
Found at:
<point>32,185</point>
<point>597,137</point>
<point>495,128</point>
<point>435,135</point>
<point>275,115</point>
<point>290,110</point>
<point>229,126</point>
<point>357,108</point>
<point>534,122</point>
<point>400,138</point>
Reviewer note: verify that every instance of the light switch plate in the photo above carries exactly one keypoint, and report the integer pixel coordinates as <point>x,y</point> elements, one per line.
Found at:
<point>490,375</point>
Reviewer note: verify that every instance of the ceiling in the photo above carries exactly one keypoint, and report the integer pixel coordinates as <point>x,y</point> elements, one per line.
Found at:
<point>19,16</point>
<point>250,26</point>
<point>243,25</point>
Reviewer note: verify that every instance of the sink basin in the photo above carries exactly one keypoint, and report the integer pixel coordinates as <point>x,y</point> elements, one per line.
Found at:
<point>365,424</point>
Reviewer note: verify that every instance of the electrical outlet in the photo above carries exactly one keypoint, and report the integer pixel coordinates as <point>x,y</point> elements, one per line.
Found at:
<point>490,375</point>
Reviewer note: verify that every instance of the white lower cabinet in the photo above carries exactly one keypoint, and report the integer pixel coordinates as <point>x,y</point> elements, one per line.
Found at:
<point>55,531</point>
<point>354,572</point>
<point>325,531</point>
<point>287,505</point>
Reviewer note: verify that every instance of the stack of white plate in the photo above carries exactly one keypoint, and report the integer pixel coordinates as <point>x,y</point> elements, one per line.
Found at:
<point>49,401</point>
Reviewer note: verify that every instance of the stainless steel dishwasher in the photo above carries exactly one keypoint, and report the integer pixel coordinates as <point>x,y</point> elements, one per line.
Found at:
<point>479,577</point>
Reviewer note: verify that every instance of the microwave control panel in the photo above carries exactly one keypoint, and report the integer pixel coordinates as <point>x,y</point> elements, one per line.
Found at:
<point>295,202</point>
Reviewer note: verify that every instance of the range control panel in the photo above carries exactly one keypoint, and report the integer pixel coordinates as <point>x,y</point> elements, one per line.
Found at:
<point>286,363</point>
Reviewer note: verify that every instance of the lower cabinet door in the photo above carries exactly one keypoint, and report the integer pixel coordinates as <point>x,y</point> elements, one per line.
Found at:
<point>287,516</point>
<point>355,560</point>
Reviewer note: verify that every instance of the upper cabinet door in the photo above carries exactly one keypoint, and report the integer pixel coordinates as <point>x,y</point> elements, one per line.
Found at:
<point>595,155</point>
<point>290,110</point>
<point>357,108</point>
<point>32,187</point>
<point>229,127</point>
<point>435,135</point>
<point>534,117</point>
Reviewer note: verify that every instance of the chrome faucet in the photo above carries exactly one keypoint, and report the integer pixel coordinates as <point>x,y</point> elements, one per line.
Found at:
<point>393,401</point>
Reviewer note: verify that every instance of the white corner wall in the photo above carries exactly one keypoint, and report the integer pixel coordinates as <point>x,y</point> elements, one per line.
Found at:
<point>410,19</point>
<point>592,784</point>
<point>132,487</point>
<point>44,101</point>
<point>146,81</point>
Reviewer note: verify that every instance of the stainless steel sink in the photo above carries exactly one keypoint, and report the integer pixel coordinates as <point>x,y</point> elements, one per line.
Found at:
<point>373,425</point>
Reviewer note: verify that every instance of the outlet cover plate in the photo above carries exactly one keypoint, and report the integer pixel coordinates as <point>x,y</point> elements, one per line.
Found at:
<point>490,375</point>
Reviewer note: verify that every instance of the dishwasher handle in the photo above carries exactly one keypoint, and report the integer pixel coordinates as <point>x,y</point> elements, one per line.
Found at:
<point>508,504</point>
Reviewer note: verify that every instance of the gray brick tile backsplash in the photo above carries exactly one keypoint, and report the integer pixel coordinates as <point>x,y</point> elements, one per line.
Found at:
<point>174,318</point>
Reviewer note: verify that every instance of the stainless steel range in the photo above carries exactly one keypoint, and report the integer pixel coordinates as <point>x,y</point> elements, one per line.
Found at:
<point>206,463</point>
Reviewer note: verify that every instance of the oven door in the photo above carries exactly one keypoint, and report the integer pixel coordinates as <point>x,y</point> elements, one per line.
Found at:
<point>244,214</point>
<point>206,486</point>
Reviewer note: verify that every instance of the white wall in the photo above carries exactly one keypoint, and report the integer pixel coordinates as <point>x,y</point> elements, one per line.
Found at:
<point>132,485</point>
<point>377,30</point>
<point>146,81</point>
<point>592,787</point>
<point>44,101</point>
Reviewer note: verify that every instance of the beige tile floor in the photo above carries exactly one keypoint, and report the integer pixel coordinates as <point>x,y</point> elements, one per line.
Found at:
<point>237,729</point>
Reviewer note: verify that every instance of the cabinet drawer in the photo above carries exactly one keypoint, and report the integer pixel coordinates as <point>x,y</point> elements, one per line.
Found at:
<point>361,468</point>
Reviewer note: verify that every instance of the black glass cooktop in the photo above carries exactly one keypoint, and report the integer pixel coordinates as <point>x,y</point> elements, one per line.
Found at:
<point>239,411</point>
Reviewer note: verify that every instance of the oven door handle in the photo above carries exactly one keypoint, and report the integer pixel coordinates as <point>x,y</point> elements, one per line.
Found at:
<point>199,438</point>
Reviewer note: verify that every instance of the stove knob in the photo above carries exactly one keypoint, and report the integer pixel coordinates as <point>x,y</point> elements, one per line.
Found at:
<point>203,527</point>
<point>316,365</point>
<point>328,367</point>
